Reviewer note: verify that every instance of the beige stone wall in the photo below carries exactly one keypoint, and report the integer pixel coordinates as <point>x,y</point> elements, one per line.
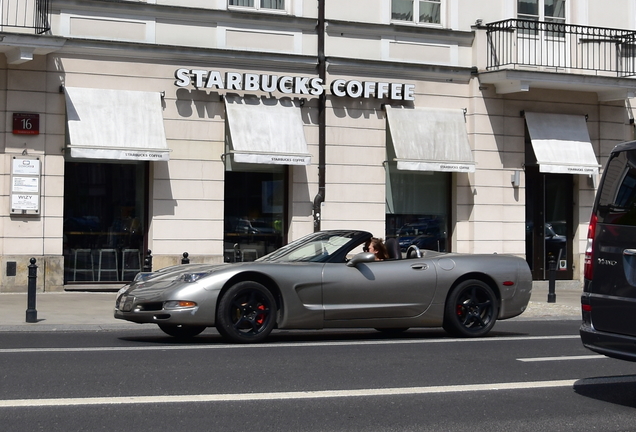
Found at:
<point>187,193</point>
<point>30,87</point>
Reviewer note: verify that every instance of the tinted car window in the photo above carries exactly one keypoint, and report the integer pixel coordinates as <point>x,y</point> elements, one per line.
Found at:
<point>617,199</point>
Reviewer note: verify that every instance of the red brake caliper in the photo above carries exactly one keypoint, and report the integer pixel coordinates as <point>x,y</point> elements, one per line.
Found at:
<point>260,318</point>
<point>460,309</point>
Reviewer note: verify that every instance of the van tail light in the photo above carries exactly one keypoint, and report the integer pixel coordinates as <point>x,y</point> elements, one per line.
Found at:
<point>589,249</point>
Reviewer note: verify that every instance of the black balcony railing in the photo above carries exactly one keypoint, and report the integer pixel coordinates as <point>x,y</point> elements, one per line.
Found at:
<point>25,15</point>
<point>560,47</point>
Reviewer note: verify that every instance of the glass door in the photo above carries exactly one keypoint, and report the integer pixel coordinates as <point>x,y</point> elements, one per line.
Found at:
<point>549,230</point>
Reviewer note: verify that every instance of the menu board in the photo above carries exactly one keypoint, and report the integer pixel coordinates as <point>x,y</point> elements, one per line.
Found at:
<point>25,185</point>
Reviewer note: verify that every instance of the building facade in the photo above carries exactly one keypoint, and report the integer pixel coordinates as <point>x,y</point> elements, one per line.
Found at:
<point>226,128</point>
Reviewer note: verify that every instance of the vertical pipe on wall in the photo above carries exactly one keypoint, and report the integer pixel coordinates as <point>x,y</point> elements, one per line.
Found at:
<point>322,103</point>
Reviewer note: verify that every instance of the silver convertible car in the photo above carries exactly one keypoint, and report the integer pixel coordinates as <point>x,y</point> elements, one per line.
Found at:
<point>320,281</point>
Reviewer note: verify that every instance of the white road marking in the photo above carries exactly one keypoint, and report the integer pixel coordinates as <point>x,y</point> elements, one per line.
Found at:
<point>283,344</point>
<point>273,396</point>
<point>561,358</point>
<point>241,397</point>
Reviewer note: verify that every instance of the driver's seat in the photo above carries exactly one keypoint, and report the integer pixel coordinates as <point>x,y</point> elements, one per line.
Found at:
<point>393,248</point>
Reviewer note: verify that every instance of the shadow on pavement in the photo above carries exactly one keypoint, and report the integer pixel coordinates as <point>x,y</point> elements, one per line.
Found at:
<point>619,390</point>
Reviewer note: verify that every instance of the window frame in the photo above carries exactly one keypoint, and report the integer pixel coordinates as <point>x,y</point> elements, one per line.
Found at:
<point>257,8</point>
<point>416,14</point>
<point>541,13</point>
<point>559,22</point>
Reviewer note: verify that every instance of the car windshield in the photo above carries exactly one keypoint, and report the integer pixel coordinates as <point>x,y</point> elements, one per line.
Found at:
<point>317,247</point>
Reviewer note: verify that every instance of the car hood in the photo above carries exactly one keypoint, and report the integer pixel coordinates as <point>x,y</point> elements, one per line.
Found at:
<point>146,284</point>
<point>181,269</point>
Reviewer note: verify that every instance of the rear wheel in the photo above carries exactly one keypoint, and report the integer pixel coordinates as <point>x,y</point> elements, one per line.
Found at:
<point>246,313</point>
<point>471,310</point>
<point>181,331</point>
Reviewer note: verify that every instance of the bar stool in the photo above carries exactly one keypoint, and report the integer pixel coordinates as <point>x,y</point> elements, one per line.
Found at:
<point>249,254</point>
<point>107,264</point>
<point>83,264</point>
<point>130,262</point>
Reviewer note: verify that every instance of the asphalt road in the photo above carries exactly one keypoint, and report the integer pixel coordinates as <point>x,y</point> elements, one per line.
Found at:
<point>527,376</point>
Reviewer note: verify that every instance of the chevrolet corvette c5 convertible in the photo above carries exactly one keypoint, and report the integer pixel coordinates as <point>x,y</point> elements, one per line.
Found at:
<point>325,280</point>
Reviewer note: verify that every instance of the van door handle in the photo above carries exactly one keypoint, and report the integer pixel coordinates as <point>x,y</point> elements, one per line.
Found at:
<point>630,252</point>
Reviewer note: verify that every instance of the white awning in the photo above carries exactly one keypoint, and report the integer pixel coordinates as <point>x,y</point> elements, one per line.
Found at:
<point>430,139</point>
<point>266,134</point>
<point>115,124</point>
<point>561,143</point>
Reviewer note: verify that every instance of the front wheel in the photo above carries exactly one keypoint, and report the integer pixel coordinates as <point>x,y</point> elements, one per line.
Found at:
<point>471,309</point>
<point>246,313</point>
<point>181,331</point>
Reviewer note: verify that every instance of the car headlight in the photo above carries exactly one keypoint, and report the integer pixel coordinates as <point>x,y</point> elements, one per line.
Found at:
<point>178,304</point>
<point>193,277</point>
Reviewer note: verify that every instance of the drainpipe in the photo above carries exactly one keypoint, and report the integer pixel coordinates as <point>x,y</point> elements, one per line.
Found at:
<point>322,103</point>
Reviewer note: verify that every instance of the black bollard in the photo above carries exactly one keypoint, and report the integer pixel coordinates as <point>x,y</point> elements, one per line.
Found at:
<point>237,253</point>
<point>185,259</point>
<point>551,282</point>
<point>148,261</point>
<point>31,312</point>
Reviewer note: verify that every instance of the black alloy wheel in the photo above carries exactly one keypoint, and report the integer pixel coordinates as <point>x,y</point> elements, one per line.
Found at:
<point>471,310</point>
<point>181,331</point>
<point>246,313</point>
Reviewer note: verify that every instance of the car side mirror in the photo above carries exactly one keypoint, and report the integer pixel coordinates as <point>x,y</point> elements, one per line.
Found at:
<point>363,257</point>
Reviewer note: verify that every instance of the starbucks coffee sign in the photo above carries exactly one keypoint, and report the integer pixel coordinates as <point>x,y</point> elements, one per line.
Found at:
<point>291,85</point>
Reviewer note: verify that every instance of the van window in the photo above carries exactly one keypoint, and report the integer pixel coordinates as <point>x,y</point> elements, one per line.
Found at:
<point>617,197</point>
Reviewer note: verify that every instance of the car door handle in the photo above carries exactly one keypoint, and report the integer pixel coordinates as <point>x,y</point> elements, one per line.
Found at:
<point>419,266</point>
<point>630,252</point>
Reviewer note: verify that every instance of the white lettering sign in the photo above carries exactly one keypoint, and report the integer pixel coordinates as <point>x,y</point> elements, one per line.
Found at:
<point>26,184</point>
<point>26,166</point>
<point>310,86</point>
<point>25,202</point>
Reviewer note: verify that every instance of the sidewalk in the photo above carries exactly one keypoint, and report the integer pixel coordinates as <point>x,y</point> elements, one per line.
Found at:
<point>93,311</point>
<point>567,305</point>
<point>59,311</point>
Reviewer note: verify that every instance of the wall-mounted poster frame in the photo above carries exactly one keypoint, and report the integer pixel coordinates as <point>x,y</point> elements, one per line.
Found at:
<point>25,185</point>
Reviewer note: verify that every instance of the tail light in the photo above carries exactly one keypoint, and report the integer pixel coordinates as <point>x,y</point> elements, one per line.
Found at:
<point>589,249</point>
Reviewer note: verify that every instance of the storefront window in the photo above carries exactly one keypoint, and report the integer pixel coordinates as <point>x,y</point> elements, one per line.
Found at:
<point>104,221</point>
<point>254,209</point>
<point>417,206</point>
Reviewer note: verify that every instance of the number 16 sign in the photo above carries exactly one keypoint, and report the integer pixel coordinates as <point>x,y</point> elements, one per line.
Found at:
<point>26,124</point>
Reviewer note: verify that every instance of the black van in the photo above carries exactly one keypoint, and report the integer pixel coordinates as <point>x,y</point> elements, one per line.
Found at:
<point>609,292</point>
